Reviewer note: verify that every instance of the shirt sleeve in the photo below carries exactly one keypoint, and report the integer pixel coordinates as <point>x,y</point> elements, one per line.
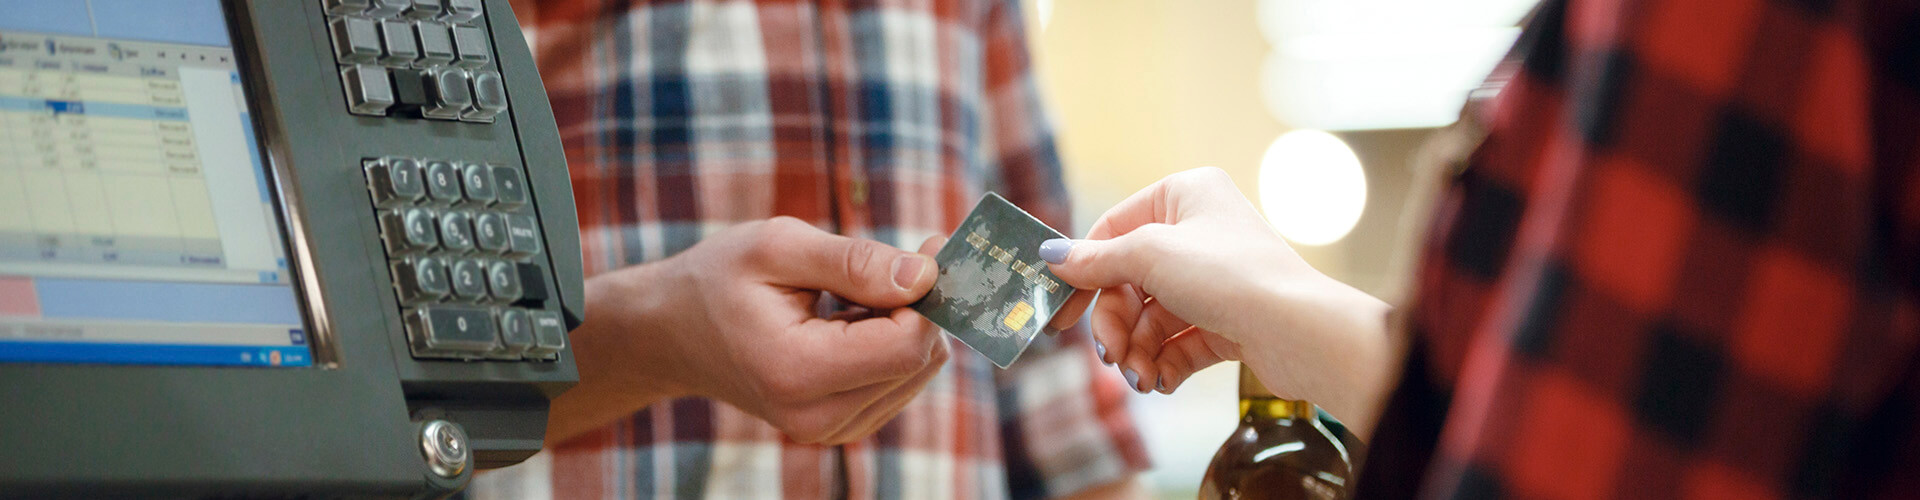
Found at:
<point>1064,419</point>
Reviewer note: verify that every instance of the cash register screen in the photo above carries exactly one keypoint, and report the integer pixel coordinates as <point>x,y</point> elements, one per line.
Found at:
<point>137,222</point>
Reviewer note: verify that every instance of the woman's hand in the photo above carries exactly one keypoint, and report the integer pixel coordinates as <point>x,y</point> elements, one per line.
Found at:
<point>1189,275</point>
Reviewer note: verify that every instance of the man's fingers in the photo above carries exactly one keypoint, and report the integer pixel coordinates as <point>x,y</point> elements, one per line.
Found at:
<point>844,355</point>
<point>865,272</point>
<point>876,413</point>
<point>932,245</point>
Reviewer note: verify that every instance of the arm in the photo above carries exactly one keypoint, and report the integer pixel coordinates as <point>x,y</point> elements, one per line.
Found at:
<point>1191,275</point>
<point>732,319</point>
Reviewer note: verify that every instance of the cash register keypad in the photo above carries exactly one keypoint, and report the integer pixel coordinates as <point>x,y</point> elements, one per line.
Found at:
<point>429,59</point>
<point>462,251</point>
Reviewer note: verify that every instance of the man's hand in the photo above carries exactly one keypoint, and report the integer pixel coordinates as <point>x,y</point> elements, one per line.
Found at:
<point>733,318</point>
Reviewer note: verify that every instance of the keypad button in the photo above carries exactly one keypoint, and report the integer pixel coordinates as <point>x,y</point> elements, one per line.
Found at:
<point>408,231</point>
<point>503,281</point>
<point>523,236</point>
<point>368,90</point>
<point>436,43</point>
<point>456,232</point>
<point>402,48</point>
<point>453,331</point>
<point>345,7</point>
<point>443,182</point>
<point>425,9</point>
<point>549,334</point>
<point>447,94</point>
<point>409,90</point>
<point>477,181</point>
<point>396,182</point>
<point>489,97</point>
<point>510,186</point>
<point>388,8</point>
<point>490,232</point>
<point>356,40</point>
<point>516,332</point>
<point>469,279</point>
<point>533,284</point>
<point>461,11</point>
<point>470,47</point>
<point>421,280</point>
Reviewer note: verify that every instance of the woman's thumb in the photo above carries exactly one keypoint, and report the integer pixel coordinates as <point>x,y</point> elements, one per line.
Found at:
<point>1096,264</point>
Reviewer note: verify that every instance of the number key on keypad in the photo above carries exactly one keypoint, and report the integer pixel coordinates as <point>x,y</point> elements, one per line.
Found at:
<point>469,279</point>
<point>421,279</point>
<point>443,182</point>
<point>396,181</point>
<point>504,281</point>
<point>477,180</point>
<point>456,232</point>
<point>490,232</point>
<point>408,230</point>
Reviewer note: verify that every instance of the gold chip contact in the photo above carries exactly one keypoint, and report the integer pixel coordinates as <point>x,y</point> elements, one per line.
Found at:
<point>1018,316</point>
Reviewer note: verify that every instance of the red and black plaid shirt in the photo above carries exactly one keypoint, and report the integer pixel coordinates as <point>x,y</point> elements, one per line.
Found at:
<point>1684,264</point>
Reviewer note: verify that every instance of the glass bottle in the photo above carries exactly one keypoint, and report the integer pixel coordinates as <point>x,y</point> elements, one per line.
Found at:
<point>1281,451</point>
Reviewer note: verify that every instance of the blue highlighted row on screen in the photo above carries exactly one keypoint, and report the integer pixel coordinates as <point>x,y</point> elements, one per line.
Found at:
<point>153,354</point>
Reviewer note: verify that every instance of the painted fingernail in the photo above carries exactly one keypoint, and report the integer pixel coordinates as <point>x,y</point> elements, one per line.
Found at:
<point>1100,349</point>
<point>1054,251</point>
<point>1160,384</point>
<point>907,269</point>
<point>1133,380</point>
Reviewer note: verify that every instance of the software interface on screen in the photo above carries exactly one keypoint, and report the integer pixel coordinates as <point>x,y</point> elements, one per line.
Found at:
<point>137,223</point>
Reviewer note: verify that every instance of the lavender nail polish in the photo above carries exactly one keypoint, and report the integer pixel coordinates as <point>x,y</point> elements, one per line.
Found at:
<point>1055,251</point>
<point>1101,349</point>
<point>1133,379</point>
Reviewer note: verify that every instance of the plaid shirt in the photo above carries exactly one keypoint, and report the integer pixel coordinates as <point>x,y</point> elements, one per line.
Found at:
<point>881,120</point>
<point>1684,264</point>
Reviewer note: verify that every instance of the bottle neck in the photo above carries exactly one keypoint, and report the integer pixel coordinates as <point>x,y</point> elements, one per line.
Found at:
<point>1259,404</point>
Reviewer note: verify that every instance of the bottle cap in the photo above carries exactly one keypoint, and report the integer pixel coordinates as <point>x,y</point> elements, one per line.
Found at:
<point>1250,386</point>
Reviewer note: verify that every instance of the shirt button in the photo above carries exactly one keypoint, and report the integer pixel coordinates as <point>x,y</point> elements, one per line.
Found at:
<point>859,191</point>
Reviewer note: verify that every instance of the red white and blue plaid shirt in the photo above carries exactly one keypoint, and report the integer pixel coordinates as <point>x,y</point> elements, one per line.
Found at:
<point>883,120</point>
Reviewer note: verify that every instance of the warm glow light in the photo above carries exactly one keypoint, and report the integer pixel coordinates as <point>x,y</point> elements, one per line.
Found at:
<point>1378,64</point>
<point>1312,187</point>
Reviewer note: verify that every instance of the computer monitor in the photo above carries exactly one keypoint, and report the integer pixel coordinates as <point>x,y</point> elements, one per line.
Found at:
<point>138,223</point>
<point>278,248</point>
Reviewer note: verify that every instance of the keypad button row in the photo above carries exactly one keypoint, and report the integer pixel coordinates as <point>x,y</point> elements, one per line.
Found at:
<point>424,279</point>
<point>416,230</point>
<point>452,11</point>
<point>468,332</point>
<point>400,182</point>
<point>408,44</point>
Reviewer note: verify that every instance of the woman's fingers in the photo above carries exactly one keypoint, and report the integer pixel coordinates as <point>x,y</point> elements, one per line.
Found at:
<point>1113,317</point>
<point>1189,352</point>
<point>1153,327</point>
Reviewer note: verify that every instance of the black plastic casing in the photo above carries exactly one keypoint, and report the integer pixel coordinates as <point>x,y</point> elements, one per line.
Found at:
<point>348,426</point>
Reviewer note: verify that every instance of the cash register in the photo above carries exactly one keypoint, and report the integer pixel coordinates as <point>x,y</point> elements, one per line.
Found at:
<point>276,248</point>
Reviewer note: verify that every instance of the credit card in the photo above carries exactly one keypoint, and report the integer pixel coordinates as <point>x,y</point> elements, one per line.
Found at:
<point>994,292</point>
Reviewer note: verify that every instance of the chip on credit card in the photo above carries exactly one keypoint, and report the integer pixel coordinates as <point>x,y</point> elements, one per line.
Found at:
<point>994,293</point>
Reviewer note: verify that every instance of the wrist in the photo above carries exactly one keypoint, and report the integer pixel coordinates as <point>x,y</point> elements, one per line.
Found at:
<point>1330,343</point>
<point>623,355</point>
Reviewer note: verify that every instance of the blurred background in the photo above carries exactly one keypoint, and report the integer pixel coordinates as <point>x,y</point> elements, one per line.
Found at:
<point>1315,107</point>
